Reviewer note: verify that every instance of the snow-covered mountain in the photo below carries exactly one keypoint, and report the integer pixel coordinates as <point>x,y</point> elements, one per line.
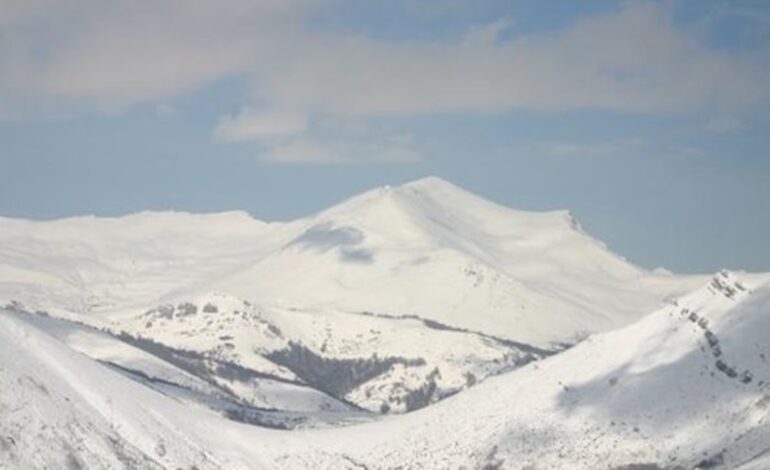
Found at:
<point>427,248</point>
<point>685,387</point>
<point>386,302</point>
<point>431,249</point>
<point>121,337</point>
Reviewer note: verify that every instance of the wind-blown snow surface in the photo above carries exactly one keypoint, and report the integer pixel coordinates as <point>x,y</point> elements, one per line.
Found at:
<point>686,386</point>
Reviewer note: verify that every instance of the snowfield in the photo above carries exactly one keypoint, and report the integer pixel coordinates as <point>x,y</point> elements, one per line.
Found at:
<point>687,386</point>
<point>417,326</point>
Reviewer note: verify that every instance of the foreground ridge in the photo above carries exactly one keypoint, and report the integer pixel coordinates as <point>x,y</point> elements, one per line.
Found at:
<point>660,399</point>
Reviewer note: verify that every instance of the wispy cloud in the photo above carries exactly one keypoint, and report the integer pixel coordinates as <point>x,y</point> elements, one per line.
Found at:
<point>633,59</point>
<point>117,53</point>
<point>92,55</point>
<point>254,125</point>
<point>343,151</point>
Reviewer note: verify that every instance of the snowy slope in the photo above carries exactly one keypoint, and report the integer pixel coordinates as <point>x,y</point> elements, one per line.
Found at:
<point>431,249</point>
<point>427,248</point>
<point>182,380</point>
<point>375,362</point>
<point>388,301</point>
<point>687,386</point>
<point>95,265</point>
<point>59,409</point>
<point>172,340</point>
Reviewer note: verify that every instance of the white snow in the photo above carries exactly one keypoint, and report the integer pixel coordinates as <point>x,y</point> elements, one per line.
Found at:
<point>426,248</point>
<point>648,393</point>
<point>150,327</point>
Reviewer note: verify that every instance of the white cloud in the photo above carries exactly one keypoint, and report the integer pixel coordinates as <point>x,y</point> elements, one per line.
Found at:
<point>342,151</point>
<point>254,125</point>
<point>286,137</point>
<point>116,53</point>
<point>632,60</point>
<point>66,57</point>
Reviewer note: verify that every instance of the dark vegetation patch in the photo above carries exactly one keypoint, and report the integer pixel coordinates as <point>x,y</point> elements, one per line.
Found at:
<point>210,308</point>
<point>336,377</point>
<point>714,461</point>
<point>425,395</point>
<point>230,406</point>
<point>198,364</point>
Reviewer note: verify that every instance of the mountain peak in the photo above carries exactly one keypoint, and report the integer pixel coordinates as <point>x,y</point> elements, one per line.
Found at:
<point>436,187</point>
<point>430,197</point>
<point>441,202</point>
<point>429,182</point>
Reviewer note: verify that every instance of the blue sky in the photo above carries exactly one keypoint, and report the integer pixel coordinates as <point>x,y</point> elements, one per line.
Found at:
<point>648,120</point>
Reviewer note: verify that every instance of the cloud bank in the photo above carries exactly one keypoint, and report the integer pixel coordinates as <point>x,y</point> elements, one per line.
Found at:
<point>91,56</point>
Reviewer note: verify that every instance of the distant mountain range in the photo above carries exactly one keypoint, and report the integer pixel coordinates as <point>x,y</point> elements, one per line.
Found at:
<point>175,340</point>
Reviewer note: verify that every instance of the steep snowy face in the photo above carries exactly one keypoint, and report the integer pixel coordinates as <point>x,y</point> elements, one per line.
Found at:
<point>431,249</point>
<point>388,301</point>
<point>427,248</point>
<point>60,409</point>
<point>685,387</point>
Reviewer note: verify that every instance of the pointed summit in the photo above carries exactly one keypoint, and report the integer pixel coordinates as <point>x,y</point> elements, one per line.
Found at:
<point>430,182</point>
<point>438,211</point>
<point>436,187</point>
<point>431,247</point>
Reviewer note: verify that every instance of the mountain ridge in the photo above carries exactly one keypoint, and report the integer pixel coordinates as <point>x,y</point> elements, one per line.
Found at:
<point>584,408</point>
<point>418,238</point>
<point>493,337</point>
<point>401,296</point>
